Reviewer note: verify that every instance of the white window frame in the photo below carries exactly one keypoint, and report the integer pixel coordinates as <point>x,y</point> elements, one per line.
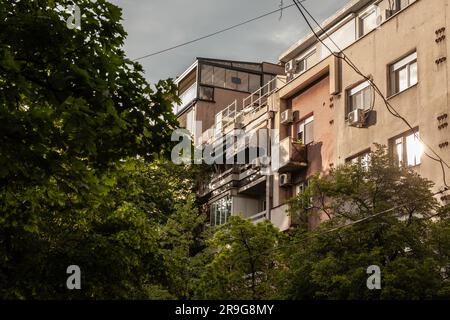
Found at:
<point>375,9</point>
<point>362,158</point>
<point>225,202</point>
<point>190,123</point>
<point>403,64</point>
<point>359,89</point>
<point>407,149</point>
<point>301,129</point>
<point>302,60</point>
<point>300,188</point>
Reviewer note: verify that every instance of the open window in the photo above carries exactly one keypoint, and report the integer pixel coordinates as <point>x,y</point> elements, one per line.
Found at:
<point>305,132</point>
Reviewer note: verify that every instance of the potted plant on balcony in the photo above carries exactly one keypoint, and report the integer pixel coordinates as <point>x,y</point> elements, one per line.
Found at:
<point>298,141</point>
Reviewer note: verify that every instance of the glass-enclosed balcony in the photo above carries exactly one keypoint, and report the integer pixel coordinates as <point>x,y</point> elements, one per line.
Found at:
<point>187,97</point>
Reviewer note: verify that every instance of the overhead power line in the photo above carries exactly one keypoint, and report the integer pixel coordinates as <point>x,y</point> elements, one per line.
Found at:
<point>341,55</point>
<point>215,33</point>
<point>348,224</point>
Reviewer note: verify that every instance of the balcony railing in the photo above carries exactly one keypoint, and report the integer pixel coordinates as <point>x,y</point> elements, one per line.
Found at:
<point>258,217</point>
<point>237,115</point>
<point>187,97</point>
<point>293,155</point>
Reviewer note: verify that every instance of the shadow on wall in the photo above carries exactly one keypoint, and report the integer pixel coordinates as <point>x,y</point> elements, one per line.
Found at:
<point>315,158</point>
<point>371,118</point>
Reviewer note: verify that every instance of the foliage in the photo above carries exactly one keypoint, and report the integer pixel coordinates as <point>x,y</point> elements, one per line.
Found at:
<point>240,262</point>
<point>388,210</point>
<point>75,114</point>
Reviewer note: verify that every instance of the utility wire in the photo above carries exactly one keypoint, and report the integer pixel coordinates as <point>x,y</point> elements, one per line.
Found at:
<point>351,223</point>
<point>341,55</point>
<point>215,33</point>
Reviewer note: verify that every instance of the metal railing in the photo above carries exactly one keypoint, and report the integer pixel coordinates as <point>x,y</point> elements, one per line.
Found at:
<point>249,108</point>
<point>258,217</point>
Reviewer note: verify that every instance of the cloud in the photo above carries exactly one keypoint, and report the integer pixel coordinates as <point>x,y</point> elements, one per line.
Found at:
<point>153,25</point>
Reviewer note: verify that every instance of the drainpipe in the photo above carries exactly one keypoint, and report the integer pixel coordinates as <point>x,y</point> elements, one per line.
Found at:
<point>269,154</point>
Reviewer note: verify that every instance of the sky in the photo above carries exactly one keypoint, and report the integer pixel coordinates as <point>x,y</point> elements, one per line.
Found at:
<point>154,25</point>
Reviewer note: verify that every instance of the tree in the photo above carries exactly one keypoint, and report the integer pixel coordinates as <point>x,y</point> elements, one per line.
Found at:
<point>74,115</point>
<point>239,262</point>
<point>391,216</point>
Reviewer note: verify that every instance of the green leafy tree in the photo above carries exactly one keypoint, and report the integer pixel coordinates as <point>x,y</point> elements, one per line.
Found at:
<point>240,261</point>
<point>74,115</point>
<point>392,220</point>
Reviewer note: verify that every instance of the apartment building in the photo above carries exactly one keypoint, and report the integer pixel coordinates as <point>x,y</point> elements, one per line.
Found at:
<point>208,85</point>
<point>322,113</point>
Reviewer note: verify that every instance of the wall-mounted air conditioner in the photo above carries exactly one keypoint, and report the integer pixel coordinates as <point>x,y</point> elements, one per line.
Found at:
<point>289,66</point>
<point>356,118</point>
<point>287,117</point>
<point>256,163</point>
<point>285,179</point>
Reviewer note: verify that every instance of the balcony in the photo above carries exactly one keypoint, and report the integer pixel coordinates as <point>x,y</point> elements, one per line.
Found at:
<point>186,98</point>
<point>293,156</point>
<point>258,217</point>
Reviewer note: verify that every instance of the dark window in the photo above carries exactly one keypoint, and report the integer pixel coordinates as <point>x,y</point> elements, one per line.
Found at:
<point>206,93</point>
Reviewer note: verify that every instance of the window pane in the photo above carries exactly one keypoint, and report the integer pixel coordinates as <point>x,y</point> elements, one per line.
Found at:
<point>413,73</point>
<point>231,79</point>
<point>368,22</point>
<point>309,135</point>
<point>207,74</point>
<point>402,79</point>
<point>367,98</point>
<point>254,82</point>
<point>411,150</point>
<point>243,86</point>
<point>190,122</point>
<point>414,149</point>
<point>206,93</point>
<point>398,150</point>
<point>219,77</point>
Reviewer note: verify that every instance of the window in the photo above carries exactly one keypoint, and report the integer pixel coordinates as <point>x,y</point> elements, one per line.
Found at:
<point>254,82</point>
<point>403,73</point>
<point>190,121</point>
<point>220,211</point>
<point>397,5</point>
<point>206,93</point>
<point>360,97</point>
<point>362,158</point>
<point>306,62</point>
<point>407,149</point>
<point>300,189</point>
<point>229,79</point>
<point>305,132</point>
<point>368,21</point>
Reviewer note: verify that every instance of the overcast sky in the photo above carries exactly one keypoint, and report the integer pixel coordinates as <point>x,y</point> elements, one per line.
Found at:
<point>153,25</point>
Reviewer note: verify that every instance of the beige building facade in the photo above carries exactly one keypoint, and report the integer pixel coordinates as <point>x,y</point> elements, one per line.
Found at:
<point>322,114</point>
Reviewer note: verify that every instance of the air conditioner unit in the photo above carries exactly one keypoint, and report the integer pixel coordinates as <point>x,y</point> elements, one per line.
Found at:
<point>289,66</point>
<point>356,118</point>
<point>285,179</point>
<point>390,13</point>
<point>256,163</point>
<point>289,77</point>
<point>287,117</point>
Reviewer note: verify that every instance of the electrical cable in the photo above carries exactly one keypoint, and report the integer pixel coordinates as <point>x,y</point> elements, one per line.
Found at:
<point>389,106</point>
<point>354,222</point>
<point>214,33</point>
